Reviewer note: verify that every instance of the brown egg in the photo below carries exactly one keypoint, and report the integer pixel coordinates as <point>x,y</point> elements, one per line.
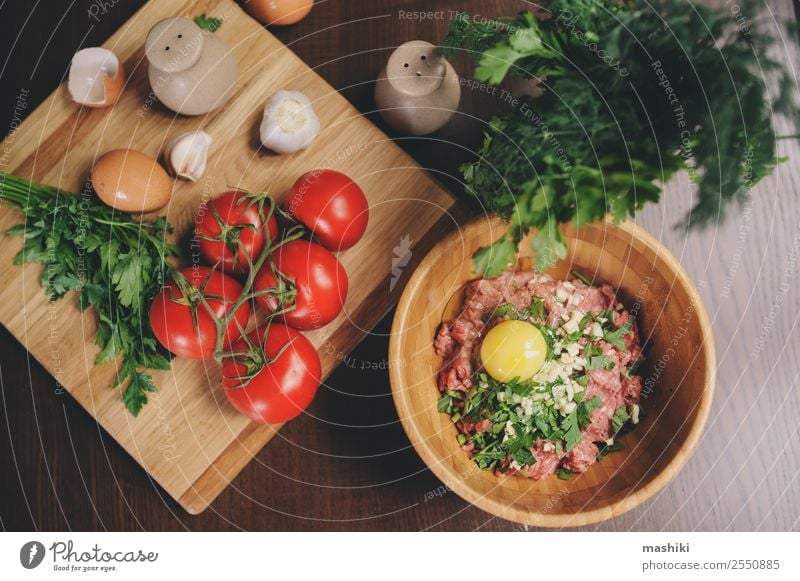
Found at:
<point>280,12</point>
<point>130,181</point>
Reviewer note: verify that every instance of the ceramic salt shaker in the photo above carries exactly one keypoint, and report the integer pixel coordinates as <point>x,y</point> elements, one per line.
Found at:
<point>418,90</point>
<point>191,70</point>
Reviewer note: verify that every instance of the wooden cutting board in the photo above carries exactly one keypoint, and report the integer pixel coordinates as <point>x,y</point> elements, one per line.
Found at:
<point>188,438</point>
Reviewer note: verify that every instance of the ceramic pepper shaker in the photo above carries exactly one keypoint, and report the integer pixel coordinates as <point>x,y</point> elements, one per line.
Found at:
<point>191,70</point>
<point>418,90</point>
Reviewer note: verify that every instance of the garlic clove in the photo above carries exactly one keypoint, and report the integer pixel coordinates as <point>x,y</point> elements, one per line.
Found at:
<point>187,155</point>
<point>96,77</point>
<point>289,122</point>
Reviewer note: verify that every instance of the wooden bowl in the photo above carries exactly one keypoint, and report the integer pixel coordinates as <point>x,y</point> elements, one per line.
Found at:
<point>679,374</point>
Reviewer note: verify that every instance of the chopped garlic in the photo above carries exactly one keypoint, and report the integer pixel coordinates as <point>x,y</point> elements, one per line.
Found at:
<point>559,391</point>
<point>510,432</point>
<point>573,323</point>
<point>635,414</point>
<point>571,326</point>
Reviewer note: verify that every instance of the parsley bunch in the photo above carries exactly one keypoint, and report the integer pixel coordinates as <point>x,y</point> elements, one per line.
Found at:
<point>116,264</point>
<point>633,93</point>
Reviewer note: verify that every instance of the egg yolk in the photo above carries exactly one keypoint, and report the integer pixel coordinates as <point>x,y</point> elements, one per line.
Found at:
<point>513,349</point>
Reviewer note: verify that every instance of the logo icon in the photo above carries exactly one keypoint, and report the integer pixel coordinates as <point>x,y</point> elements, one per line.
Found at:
<point>31,554</point>
<point>401,258</point>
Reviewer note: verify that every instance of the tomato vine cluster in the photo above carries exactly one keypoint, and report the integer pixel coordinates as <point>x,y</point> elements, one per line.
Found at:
<point>288,277</point>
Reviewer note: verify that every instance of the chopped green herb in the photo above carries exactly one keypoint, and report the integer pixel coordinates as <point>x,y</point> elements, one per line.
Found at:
<point>591,350</point>
<point>604,449</point>
<point>506,310</point>
<point>577,420</point>
<point>615,337</point>
<point>600,362</point>
<point>581,278</point>
<point>564,474</point>
<point>537,310</point>
<point>210,24</point>
<point>620,418</point>
<point>523,456</point>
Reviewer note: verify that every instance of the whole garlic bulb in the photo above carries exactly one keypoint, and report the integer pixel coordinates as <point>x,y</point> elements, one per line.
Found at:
<point>187,155</point>
<point>289,122</point>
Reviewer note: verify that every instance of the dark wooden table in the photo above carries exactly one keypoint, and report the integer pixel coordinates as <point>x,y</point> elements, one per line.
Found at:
<point>354,469</point>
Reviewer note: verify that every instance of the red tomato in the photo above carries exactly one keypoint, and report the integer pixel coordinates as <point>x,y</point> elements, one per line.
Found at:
<point>230,228</point>
<point>332,206</point>
<point>314,285</point>
<point>277,379</point>
<point>183,324</point>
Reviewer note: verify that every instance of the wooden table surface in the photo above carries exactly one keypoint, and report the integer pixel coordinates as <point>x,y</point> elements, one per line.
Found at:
<point>352,467</point>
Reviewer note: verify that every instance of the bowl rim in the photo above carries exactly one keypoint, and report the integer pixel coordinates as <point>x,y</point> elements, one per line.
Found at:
<point>582,517</point>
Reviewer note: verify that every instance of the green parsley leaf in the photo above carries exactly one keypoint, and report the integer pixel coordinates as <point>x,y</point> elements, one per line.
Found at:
<point>524,456</point>
<point>581,277</point>
<point>549,246</point>
<point>493,259</point>
<point>210,24</point>
<point>619,419</point>
<point>615,337</point>
<point>604,449</point>
<point>600,362</point>
<point>537,309</point>
<point>505,310</point>
<point>135,395</point>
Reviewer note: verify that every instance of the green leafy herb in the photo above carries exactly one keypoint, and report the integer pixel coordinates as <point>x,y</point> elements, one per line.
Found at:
<point>488,457</point>
<point>114,262</point>
<point>563,474</point>
<point>537,309</point>
<point>632,93</point>
<point>506,310</point>
<point>581,278</point>
<point>604,449</point>
<point>615,337</point>
<point>577,420</point>
<point>523,456</point>
<point>600,362</point>
<point>619,419</point>
<point>210,24</point>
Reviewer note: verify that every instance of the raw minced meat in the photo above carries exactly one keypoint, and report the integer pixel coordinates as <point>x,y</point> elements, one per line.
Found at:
<point>588,382</point>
